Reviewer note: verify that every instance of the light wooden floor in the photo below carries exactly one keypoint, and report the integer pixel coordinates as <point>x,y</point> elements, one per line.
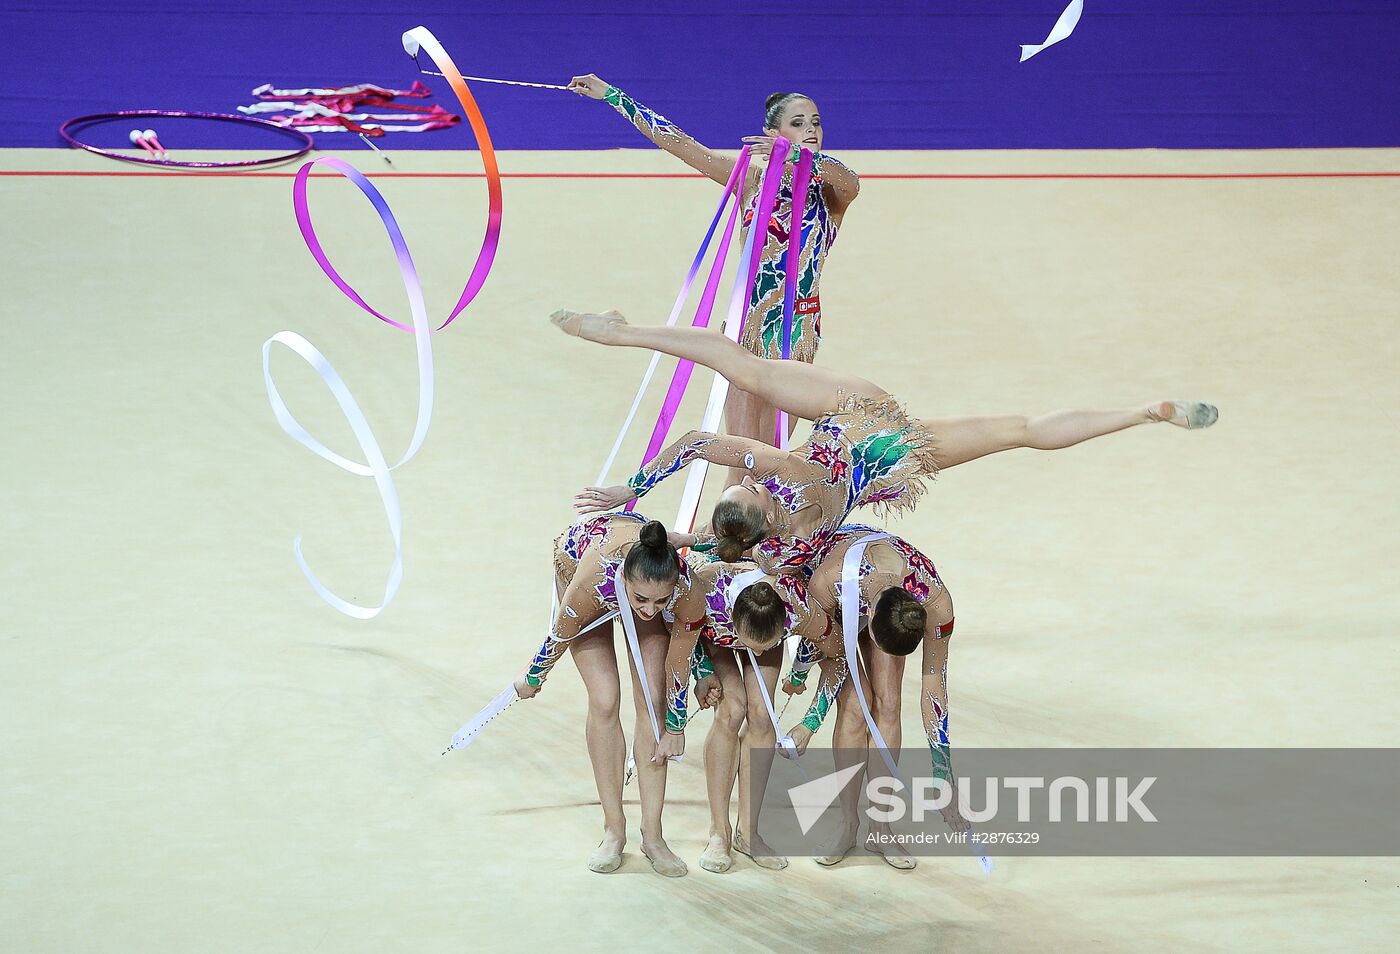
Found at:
<point>200,756</point>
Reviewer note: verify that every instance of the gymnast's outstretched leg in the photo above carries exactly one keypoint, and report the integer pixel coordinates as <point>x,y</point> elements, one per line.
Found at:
<point>596,659</point>
<point>961,439</point>
<point>800,389</point>
<point>651,774</point>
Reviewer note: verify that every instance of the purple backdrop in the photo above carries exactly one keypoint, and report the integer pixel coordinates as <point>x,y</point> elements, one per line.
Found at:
<point>886,75</point>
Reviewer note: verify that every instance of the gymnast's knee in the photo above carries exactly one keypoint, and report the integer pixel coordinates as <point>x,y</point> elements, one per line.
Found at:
<point>729,716</point>
<point>605,705</point>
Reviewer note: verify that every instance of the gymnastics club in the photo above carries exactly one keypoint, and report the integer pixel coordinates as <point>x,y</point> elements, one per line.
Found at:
<point>150,136</point>
<point>138,138</point>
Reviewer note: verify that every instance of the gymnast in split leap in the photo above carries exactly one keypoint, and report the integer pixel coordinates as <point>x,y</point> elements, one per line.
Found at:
<point>589,560</point>
<point>832,189</point>
<point>864,449</point>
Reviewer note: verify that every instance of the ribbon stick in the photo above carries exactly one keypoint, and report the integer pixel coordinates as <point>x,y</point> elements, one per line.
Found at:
<point>1063,27</point>
<point>629,625</point>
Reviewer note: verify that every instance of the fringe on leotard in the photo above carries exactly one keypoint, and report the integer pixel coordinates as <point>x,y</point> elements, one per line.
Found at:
<point>899,490</point>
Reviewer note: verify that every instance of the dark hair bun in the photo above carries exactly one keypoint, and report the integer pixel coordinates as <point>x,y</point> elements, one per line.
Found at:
<point>773,99</point>
<point>652,557</point>
<point>654,535</point>
<point>729,550</point>
<point>762,595</point>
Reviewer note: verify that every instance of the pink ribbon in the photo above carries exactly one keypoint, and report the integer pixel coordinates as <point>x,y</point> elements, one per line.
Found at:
<point>758,232</point>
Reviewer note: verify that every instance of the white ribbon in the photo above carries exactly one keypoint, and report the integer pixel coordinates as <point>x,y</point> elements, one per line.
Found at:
<point>629,625</point>
<point>375,465</point>
<point>737,584</point>
<point>719,390</point>
<point>1063,27</point>
<point>850,629</point>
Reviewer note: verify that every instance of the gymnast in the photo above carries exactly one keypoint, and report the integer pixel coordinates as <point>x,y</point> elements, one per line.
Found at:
<point>832,189</point>
<point>903,603</point>
<point>714,622</point>
<point>864,448</point>
<point>587,560</point>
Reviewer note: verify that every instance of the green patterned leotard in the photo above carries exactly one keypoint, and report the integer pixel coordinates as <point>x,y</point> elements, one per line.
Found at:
<point>764,322</point>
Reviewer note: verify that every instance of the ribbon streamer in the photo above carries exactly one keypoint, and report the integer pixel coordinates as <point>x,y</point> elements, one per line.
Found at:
<point>420,37</point>
<point>375,464</point>
<point>801,175</point>
<point>1064,26</point>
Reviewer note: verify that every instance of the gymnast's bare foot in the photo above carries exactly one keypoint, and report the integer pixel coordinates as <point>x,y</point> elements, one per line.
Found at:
<point>716,856</point>
<point>608,855</point>
<point>597,328</point>
<point>1192,415</point>
<point>663,860</point>
<point>759,853</point>
<point>836,850</point>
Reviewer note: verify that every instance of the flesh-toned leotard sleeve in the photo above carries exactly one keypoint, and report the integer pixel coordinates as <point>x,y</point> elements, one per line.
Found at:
<point>578,607</point>
<point>670,137</point>
<point>933,702</point>
<point>680,656</point>
<point>703,445</point>
<point>839,178</point>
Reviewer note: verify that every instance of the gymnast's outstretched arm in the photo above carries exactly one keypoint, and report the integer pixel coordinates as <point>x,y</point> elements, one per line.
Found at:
<point>657,128</point>
<point>933,704</point>
<point>753,456</point>
<point>578,607</point>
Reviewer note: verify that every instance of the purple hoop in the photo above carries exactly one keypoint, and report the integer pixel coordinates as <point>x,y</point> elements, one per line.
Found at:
<point>301,137</point>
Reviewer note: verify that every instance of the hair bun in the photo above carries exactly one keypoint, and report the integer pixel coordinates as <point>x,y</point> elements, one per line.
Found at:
<point>654,535</point>
<point>772,99</point>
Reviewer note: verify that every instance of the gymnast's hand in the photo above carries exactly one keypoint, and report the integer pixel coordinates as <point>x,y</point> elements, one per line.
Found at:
<point>680,540</point>
<point>597,499</point>
<point>709,692</point>
<point>794,689</point>
<point>524,690</point>
<point>590,86</point>
<point>672,743</point>
<point>760,145</point>
<point>800,736</point>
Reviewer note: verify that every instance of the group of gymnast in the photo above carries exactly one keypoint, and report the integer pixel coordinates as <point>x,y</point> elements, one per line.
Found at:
<point>716,605</point>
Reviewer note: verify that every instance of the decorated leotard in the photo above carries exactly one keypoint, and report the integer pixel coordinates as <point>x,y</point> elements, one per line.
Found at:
<point>763,325</point>
<point>893,562</point>
<point>704,616</point>
<point>588,556</point>
<point>866,452</point>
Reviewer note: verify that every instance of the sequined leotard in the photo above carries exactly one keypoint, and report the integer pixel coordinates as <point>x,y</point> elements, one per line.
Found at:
<point>764,322</point>
<point>886,563</point>
<point>703,616</point>
<point>866,452</point>
<point>588,557</point>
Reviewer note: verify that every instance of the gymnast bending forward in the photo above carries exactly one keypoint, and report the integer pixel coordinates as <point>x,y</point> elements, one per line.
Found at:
<point>903,604</point>
<point>589,559</point>
<point>864,448</point>
<point>830,192</point>
<point>715,623</point>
